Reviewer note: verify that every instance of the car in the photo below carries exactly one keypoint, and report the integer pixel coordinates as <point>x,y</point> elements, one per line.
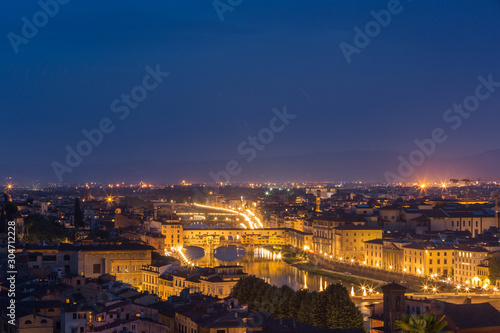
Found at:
<point>347,273</point>
<point>403,281</point>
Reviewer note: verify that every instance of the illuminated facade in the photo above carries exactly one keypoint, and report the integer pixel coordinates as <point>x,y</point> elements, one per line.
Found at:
<point>374,253</point>
<point>429,259</point>
<point>216,282</point>
<point>202,237</point>
<point>173,235</point>
<point>467,262</point>
<point>349,241</point>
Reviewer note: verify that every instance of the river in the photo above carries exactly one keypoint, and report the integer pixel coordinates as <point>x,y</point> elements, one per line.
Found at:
<point>266,265</point>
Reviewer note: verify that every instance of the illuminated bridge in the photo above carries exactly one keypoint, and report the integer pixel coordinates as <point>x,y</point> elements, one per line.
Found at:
<point>193,216</point>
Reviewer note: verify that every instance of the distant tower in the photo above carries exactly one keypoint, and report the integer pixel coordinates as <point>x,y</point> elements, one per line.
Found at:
<point>394,305</point>
<point>318,201</point>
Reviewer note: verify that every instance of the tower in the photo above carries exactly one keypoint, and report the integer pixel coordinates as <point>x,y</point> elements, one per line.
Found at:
<point>318,201</point>
<point>394,305</point>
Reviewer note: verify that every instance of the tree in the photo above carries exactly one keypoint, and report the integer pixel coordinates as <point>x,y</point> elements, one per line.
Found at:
<point>78,214</point>
<point>331,308</point>
<point>340,311</point>
<point>494,268</point>
<point>423,323</point>
<point>11,209</point>
<point>39,228</point>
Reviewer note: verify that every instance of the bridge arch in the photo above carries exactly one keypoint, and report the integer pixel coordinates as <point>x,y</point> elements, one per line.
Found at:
<point>221,225</point>
<point>195,252</point>
<point>197,225</point>
<point>229,252</point>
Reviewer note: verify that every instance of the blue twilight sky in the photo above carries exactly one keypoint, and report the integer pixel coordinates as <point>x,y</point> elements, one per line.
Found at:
<point>226,77</point>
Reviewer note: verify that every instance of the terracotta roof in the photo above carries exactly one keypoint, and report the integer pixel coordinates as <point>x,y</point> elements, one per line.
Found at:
<point>393,286</point>
<point>473,315</point>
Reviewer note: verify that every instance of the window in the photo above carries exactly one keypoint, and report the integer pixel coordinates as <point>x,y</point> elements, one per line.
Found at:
<point>43,321</point>
<point>27,322</point>
<point>66,257</point>
<point>97,268</point>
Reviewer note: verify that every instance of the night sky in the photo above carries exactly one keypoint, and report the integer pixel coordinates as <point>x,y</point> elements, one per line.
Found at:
<point>225,77</point>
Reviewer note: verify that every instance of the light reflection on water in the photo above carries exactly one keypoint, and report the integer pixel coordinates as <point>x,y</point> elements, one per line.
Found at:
<point>274,271</point>
<point>277,272</point>
<point>262,264</point>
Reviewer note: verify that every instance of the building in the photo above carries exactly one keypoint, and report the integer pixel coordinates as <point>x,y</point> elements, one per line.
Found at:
<point>467,262</point>
<point>468,318</point>
<point>429,259</point>
<point>383,317</point>
<point>215,282</point>
<point>154,239</point>
<point>174,236</point>
<point>300,240</point>
<point>323,230</point>
<point>374,253</point>
<point>150,280</point>
<point>349,241</point>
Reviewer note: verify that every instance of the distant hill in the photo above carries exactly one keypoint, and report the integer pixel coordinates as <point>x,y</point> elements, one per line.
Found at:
<point>335,166</point>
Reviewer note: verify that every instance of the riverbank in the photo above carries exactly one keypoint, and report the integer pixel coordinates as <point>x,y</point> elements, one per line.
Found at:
<point>318,270</point>
<point>300,261</point>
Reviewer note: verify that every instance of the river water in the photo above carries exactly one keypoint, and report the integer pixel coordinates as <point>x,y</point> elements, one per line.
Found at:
<point>266,265</point>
